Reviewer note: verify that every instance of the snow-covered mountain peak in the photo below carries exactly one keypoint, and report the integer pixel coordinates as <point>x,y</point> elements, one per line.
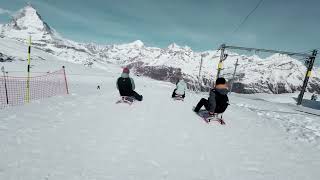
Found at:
<point>135,45</point>
<point>174,46</point>
<point>29,18</point>
<point>25,22</point>
<point>278,57</point>
<point>256,57</point>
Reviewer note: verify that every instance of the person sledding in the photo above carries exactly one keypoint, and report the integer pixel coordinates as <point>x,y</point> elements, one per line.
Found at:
<point>180,91</point>
<point>126,86</point>
<point>218,100</point>
<point>314,97</point>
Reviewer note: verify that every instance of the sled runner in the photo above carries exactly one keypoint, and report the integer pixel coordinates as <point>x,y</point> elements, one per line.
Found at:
<point>204,114</point>
<point>126,99</point>
<point>178,98</point>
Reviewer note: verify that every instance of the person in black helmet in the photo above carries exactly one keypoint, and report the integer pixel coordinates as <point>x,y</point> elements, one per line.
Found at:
<point>126,86</point>
<point>218,100</point>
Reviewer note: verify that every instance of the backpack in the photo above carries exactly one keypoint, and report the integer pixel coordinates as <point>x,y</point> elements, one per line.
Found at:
<point>222,102</point>
<point>125,86</point>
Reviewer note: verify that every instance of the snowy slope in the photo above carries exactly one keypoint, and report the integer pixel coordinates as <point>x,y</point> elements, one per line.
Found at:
<point>275,74</point>
<point>87,136</point>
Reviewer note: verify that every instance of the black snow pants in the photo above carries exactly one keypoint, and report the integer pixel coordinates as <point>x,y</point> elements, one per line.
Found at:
<point>137,96</point>
<point>203,102</point>
<point>174,94</point>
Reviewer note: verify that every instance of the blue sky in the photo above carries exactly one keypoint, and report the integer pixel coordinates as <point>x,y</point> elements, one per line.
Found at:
<point>292,25</point>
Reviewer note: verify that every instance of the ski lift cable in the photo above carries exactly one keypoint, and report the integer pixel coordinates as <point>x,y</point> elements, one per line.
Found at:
<point>306,51</point>
<point>247,17</point>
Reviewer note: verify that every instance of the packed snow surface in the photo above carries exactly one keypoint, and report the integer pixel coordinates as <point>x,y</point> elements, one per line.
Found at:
<point>85,135</point>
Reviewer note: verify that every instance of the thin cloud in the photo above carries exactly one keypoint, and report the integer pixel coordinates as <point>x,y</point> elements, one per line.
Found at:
<point>5,11</point>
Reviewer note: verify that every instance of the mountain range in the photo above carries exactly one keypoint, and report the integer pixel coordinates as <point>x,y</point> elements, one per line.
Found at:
<point>274,74</point>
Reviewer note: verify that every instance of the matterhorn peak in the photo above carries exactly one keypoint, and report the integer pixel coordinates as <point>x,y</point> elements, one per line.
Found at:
<point>27,21</point>
<point>29,18</point>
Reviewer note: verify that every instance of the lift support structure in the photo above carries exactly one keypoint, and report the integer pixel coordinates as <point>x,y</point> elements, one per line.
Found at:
<point>310,58</point>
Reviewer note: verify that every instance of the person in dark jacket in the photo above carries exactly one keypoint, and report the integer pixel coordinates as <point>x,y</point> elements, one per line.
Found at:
<point>314,97</point>
<point>218,99</point>
<point>126,86</point>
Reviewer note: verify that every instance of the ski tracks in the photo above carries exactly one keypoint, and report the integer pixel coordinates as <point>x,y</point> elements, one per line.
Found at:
<point>303,127</point>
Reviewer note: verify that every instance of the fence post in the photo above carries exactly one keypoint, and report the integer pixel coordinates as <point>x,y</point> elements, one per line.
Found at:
<point>28,70</point>
<point>5,84</point>
<point>65,79</point>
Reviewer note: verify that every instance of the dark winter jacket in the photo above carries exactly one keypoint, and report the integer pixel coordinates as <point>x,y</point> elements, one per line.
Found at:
<point>125,85</point>
<point>216,97</point>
